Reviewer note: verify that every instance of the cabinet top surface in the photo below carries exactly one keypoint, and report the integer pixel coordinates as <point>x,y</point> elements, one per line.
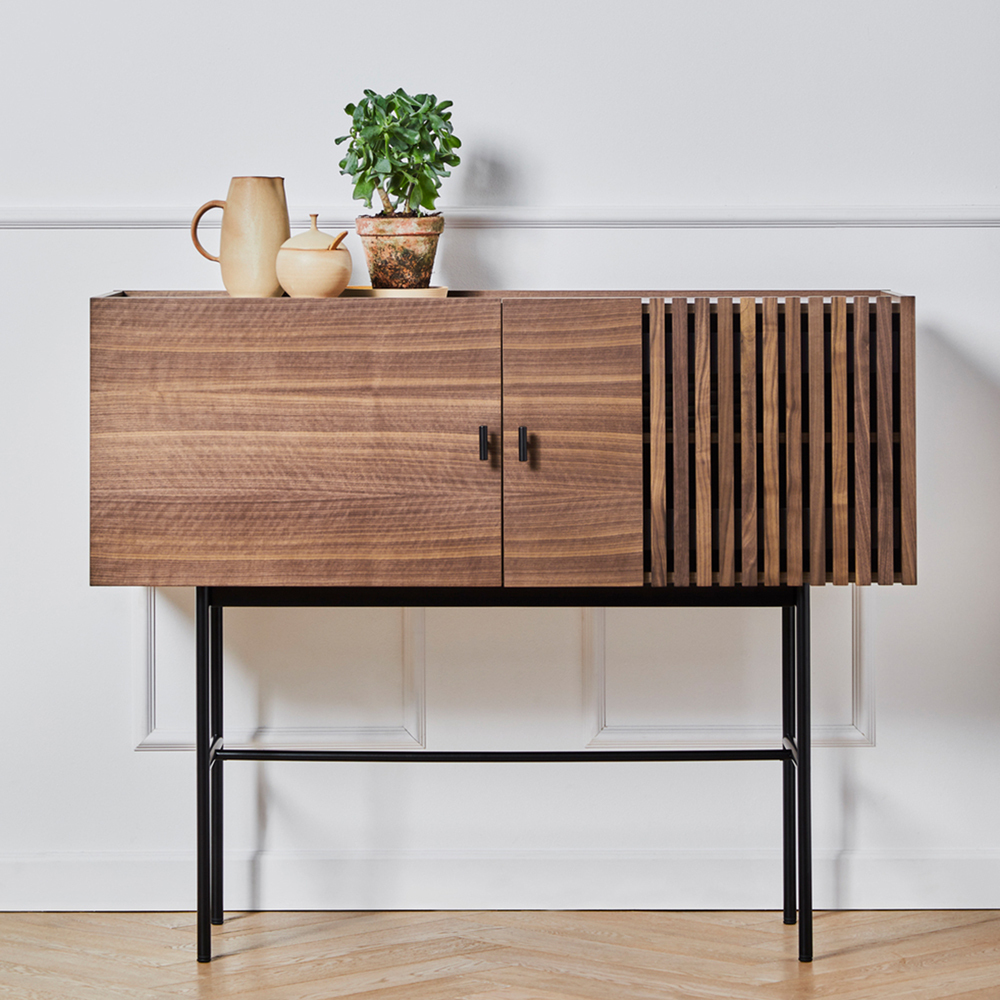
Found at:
<point>455,294</point>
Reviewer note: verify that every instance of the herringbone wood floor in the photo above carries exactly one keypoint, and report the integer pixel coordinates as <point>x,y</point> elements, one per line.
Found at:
<point>489,955</point>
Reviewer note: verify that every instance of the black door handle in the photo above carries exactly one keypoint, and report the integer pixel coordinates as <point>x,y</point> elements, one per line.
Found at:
<point>522,444</point>
<point>484,442</point>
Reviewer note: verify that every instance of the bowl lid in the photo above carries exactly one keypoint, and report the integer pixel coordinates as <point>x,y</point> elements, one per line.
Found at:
<point>313,239</point>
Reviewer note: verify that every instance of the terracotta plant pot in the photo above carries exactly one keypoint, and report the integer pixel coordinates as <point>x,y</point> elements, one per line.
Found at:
<point>400,250</point>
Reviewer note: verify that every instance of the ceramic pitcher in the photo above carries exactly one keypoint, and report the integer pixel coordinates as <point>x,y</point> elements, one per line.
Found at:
<point>254,225</point>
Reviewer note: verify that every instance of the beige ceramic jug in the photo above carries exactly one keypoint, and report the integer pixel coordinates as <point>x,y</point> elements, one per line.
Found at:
<point>254,225</point>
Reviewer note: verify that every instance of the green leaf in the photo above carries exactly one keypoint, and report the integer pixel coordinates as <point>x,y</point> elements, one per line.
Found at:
<point>363,191</point>
<point>400,143</point>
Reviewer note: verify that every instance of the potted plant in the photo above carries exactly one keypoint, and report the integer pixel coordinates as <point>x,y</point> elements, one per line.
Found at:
<point>400,147</point>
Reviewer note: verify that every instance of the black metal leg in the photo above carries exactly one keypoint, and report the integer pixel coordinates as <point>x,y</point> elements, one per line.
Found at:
<point>215,770</point>
<point>203,766</point>
<point>788,766</point>
<point>803,724</point>
<point>211,753</point>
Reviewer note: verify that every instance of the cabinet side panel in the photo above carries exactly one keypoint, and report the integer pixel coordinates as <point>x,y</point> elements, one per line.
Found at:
<point>573,512</point>
<point>294,442</point>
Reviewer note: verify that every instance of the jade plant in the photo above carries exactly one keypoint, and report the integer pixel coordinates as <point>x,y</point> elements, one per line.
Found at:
<point>400,147</point>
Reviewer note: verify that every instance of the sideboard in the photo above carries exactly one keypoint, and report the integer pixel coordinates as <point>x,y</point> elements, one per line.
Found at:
<point>504,447</point>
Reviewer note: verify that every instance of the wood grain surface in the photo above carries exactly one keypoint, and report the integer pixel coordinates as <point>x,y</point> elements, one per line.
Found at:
<point>771,445</point>
<point>748,439</point>
<point>703,441</point>
<point>503,955</point>
<point>908,438</point>
<point>294,442</point>
<point>335,442</point>
<point>726,452</point>
<point>884,429</point>
<point>816,447</point>
<point>803,403</point>
<point>658,533</point>
<point>839,474</point>
<point>793,441</point>
<point>681,429</point>
<point>572,374</point>
<point>862,443</point>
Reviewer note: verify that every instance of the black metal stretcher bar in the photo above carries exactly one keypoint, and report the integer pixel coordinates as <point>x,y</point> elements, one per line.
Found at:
<point>794,753</point>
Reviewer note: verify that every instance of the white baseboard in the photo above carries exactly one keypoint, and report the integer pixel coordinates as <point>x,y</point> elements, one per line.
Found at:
<point>366,880</point>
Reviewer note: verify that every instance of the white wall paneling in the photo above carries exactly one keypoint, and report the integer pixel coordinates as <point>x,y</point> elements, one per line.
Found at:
<point>780,145</point>
<point>284,669</point>
<point>708,662</point>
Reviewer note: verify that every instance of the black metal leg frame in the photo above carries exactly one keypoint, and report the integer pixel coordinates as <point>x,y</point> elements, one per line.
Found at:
<point>793,752</point>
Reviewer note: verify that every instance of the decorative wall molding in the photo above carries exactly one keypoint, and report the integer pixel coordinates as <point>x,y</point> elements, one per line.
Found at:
<point>544,217</point>
<point>409,734</point>
<point>860,731</point>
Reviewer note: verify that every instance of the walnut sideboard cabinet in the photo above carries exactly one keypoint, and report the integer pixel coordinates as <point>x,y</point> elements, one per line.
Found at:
<point>489,448</point>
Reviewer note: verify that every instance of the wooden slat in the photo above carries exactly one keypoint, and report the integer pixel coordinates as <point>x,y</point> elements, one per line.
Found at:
<point>703,441</point>
<point>572,374</point>
<point>862,446</point>
<point>771,447</point>
<point>838,434</point>
<point>679,418</point>
<point>908,438</point>
<point>658,440</point>
<point>748,438</point>
<point>883,381</point>
<point>817,442</point>
<point>793,440</point>
<point>726,452</point>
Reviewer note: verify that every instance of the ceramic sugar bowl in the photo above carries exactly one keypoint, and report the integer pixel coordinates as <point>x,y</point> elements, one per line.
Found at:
<point>314,264</point>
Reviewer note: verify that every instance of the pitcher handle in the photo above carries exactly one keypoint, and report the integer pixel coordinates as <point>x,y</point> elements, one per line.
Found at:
<point>194,226</point>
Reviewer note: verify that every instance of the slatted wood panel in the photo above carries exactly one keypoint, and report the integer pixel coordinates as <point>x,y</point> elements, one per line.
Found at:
<point>883,313</point>
<point>725,454</point>
<point>703,440</point>
<point>811,402</point>
<point>771,445</point>
<point>659,542</point>
<point>572,375</point>
<point>294,442</point>
<point>862,443</point>
<point>838,434</point>
<point>816,450</point>
<point>908,438</point>
<point>680,442</point>
<point>793,440</point>
<point>748,440</point>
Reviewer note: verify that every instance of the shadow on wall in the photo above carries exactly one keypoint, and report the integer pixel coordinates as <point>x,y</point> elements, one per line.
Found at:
<point>487,179</point>
<point>947,630</point>
<point>936,643</point>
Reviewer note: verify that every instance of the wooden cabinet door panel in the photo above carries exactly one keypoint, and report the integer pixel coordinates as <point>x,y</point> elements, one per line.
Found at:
<point>573,513</point>
<point>305,442</point>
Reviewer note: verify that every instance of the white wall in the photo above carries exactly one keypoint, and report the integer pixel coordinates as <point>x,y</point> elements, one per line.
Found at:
<point>711,145</point>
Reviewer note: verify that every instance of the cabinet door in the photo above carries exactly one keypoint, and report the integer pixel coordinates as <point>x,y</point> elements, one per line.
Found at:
<point>573,512</point>
<point>294,442</point>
